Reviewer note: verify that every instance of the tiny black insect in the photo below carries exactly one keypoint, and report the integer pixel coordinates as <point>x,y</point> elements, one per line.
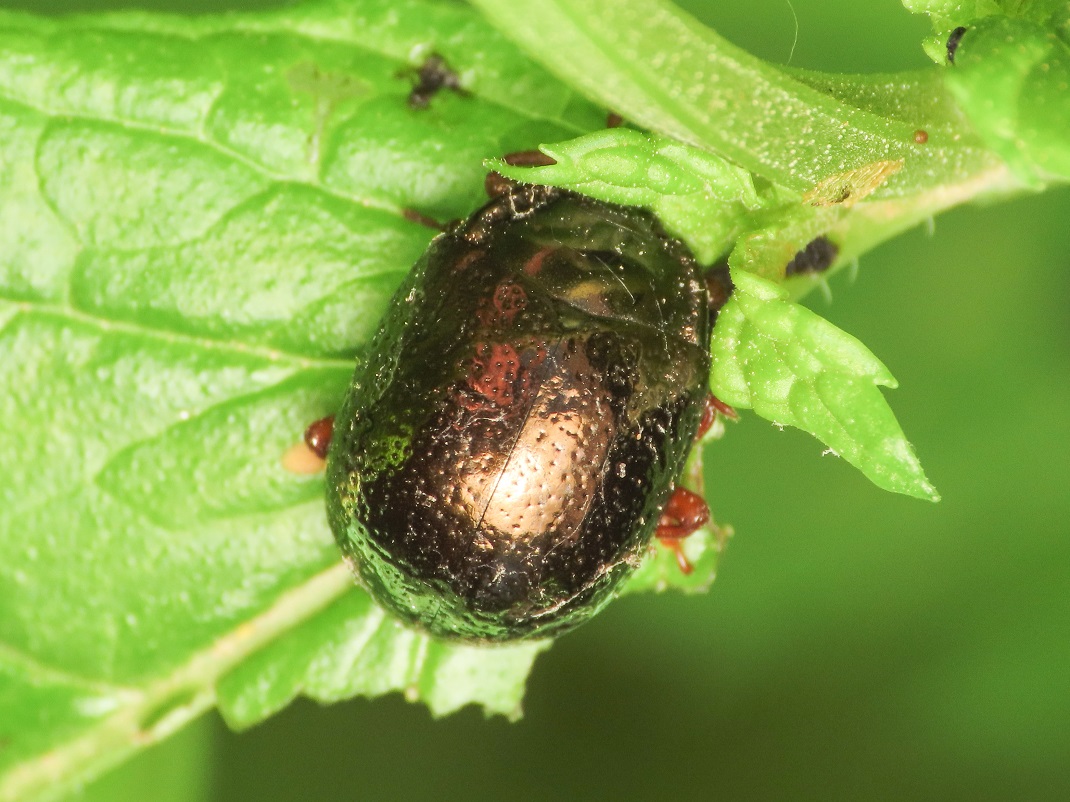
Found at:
<point>433,76</point>
<point>505,453</point>
<point>816,257</point>
<point>953,43</point>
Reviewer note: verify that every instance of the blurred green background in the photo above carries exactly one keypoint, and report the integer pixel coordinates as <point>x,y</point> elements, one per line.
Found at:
<point>856,645</point>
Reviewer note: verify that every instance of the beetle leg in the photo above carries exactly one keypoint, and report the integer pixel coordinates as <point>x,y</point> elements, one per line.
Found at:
<point>414,216</point>
<point>310,455</point>
<point>497,184</point>
<point>709,414</point>
<point>684,514</point>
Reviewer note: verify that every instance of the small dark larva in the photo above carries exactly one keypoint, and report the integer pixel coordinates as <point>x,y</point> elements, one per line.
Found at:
<point>953,43</point>
<point>816,257</point>
<point>504,454</point>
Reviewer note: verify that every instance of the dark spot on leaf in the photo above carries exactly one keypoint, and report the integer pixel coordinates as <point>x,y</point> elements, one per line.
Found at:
<point>414,216</point>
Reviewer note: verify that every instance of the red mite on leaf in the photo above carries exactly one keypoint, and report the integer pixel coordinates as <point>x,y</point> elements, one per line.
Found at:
<point>512,443</point>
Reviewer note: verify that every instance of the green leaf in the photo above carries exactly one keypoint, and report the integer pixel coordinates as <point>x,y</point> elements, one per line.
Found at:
<point>666,72</point>
<point>353,648</point>
<point>201,222</point>
<point>179,770</point>
<point>794,368</point>
<point>698,196</point>
<point>788,364</point>
<point>661,571</point>
<point>703,199</point>
<point>798,130</point>
<point>948,15</point>
<point>960,11</point>
<point>1011,78</point>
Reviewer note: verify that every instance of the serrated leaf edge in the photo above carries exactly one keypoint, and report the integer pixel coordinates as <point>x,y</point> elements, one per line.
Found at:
<point>732,378</point>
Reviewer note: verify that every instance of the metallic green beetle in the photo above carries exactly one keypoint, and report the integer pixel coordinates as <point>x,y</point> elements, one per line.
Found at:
<point>502,457</point>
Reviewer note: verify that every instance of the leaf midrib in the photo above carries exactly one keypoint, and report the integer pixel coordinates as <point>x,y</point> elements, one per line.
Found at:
<point>199,674</point>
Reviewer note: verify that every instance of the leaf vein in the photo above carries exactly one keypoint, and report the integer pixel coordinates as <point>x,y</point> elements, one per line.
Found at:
<point>71,115</point>
<point>32,666</point>
<point>126,730</point>
<point>271,354</point>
